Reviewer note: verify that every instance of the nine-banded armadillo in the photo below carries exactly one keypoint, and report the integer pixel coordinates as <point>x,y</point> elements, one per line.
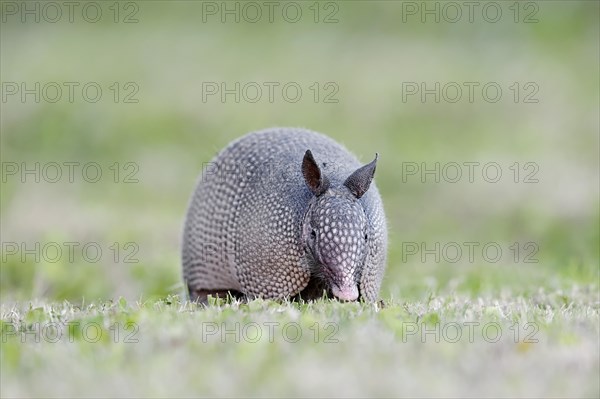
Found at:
<point>285,212</point>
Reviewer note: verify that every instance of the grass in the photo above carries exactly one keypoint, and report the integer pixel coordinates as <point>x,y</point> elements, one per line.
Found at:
<point>451,345</point>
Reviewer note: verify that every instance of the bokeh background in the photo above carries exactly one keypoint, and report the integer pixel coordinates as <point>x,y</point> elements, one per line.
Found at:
<point>370,52</point>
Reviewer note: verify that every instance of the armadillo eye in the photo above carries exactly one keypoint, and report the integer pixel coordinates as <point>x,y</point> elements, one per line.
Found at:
<point>366,237</point>
<point>313,234</point>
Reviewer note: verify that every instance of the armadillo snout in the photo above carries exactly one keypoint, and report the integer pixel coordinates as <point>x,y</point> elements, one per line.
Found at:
<point>346,292</point>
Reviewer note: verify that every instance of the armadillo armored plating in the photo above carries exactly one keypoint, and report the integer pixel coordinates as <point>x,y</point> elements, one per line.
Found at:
<point>281,213</point>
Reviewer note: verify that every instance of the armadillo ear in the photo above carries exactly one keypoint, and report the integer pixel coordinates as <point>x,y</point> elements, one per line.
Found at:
<point>316,182</point>
<point>358,182</point>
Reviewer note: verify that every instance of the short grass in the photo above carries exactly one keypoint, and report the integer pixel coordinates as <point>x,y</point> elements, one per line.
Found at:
<point>451,345</point>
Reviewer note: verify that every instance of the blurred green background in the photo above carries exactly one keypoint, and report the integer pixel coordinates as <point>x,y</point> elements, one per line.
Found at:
<point>369,55</point>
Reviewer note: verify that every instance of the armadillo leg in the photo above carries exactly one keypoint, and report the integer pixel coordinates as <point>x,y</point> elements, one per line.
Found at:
<point>315,289</point>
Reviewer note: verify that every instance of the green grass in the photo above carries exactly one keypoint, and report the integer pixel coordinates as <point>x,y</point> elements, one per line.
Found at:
<point>542,345</point>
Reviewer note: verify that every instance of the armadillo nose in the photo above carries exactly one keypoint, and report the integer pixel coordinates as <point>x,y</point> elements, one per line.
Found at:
<point>346,292</point>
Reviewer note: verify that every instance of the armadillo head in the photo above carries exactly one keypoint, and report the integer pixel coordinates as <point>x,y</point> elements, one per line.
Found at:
<point>335,229</point>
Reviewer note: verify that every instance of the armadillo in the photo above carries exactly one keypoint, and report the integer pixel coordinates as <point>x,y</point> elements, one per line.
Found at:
<point>285,213</point>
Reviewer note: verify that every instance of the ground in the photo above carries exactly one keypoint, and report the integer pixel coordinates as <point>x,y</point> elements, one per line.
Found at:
<point>450,345</point>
